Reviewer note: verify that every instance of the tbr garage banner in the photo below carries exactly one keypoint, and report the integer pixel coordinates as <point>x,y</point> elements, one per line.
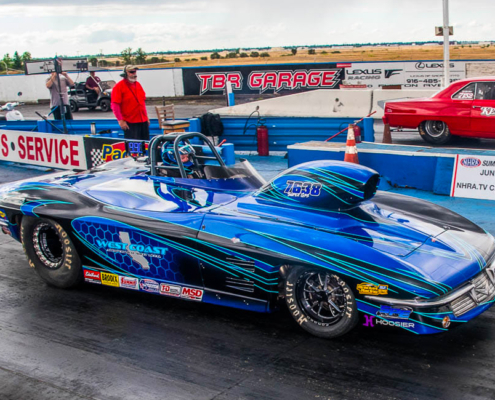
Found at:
<point>474,177</point>
<point>49,150</point>
<point>255,79</point>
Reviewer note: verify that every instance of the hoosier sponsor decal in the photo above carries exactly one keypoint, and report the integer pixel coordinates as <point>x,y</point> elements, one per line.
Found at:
<point>191,294</point>
<point>129,283</point>
<point>149,285</point>
<point>92,276</point>
<point>110,279</point>
<point>170,290</point>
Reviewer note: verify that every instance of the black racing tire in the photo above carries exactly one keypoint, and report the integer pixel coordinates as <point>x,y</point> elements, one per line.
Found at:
<point>105,105</point>
<point>303,285</point>
<point>434,132</point>
<point>51,252</point>
<point>73,106</point>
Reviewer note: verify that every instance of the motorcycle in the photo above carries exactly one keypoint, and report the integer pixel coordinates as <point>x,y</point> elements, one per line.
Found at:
<point>12,114</point>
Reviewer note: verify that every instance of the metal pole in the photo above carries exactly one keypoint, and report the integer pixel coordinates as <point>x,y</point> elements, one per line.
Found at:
<point>446,44</point>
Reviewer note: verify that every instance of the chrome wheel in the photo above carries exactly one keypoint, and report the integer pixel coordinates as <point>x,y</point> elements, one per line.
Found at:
<point>321,297</point>
<point>48,246</point>
<point>435,129</point>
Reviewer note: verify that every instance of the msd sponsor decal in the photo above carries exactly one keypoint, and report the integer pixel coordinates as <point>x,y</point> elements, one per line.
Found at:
<point>92,276</point>
<point>129,283</point>
<point>51,150</point>
<point>149,285</point>
<point>470,162</point>
<point>110,279</point>
<point>170,290</point>
<point>306,79</point>
<point>217,81</point>
<point>191,294</point>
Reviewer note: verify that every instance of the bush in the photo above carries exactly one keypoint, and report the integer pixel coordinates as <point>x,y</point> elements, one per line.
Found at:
<point>154,60</point>
<point>244,55</point>
<point>204,58</point>
<point>336,52</point>
<point>311,51</point>
<point>324,52</point>
<point>254,54</point>
<point>294,51</point>
<point>177,59</point>
<point>214,55</point>
<point>187,60</point>
<point>231,55</point>
<point>264,55</point>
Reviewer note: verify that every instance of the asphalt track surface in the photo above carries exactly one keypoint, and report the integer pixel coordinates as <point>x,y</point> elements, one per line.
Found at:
<point>97,342</point>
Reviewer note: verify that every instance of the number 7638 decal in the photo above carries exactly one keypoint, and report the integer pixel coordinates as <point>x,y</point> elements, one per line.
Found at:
<point>302,189</point>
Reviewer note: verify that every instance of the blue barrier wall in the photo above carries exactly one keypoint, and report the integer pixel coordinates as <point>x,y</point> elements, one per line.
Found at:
<point>284,131</point>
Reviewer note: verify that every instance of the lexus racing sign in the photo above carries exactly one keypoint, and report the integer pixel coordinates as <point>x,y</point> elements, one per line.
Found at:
<point>50,150</point>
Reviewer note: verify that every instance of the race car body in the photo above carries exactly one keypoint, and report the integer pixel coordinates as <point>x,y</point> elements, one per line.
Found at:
<point>465,108</point>
<point>318,235</point>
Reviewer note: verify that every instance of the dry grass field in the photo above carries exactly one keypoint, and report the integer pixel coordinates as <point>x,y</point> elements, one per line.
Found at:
<point>375,53</point>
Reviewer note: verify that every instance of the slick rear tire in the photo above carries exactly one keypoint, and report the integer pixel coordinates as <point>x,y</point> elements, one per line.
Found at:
<point>320,302</point>
<point>434,132</point>
<point>51,252</point>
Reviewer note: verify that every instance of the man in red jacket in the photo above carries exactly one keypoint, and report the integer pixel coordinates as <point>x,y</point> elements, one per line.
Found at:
<point>129,107</point>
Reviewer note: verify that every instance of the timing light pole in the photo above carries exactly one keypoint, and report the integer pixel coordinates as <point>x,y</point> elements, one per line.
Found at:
<point>446,44</point>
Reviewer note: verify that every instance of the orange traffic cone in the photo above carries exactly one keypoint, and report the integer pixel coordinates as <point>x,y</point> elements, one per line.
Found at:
<point>351,154</point>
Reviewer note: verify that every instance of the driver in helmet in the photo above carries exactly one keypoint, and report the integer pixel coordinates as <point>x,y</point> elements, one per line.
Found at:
<point>186,152</point>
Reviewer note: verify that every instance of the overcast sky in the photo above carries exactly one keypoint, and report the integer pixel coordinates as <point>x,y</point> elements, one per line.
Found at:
<point>49,27</point>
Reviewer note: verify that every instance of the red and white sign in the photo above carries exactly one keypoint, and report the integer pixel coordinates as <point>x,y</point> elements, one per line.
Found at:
<point>92,276</point>
<point>46,149</point>
<point>128,283</point>
<point>217,80</point>
<point>170,290</point>
<point>278,80</point>
<point>191,294</point>
<point>474,177</point>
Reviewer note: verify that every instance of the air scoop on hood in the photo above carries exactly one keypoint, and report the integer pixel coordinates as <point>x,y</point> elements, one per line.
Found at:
<point>321,185</point>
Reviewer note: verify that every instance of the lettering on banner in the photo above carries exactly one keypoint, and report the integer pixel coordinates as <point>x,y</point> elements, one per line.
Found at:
<point>474,177</point>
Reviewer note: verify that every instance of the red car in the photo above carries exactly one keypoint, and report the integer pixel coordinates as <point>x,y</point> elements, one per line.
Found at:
<point>465,108</point>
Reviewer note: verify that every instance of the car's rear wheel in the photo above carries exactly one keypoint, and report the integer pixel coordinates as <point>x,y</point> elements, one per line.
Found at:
<point>320,302</point>
<point>105,105</point>
<point>51,252</point>
<point>73,106</point>
<point>434,132</point>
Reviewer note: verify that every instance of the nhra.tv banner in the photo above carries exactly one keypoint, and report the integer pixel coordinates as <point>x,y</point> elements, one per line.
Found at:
<point>256,79</point>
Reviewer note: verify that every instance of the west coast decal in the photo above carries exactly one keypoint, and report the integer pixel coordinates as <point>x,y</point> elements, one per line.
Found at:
<point>394,312</point>
<point>372,289</point>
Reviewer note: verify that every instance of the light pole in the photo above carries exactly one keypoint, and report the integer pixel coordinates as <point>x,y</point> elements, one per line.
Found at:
<point>446,43</point>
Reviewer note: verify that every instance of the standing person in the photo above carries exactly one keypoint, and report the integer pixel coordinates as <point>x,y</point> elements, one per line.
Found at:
<point>52,85</point>
<point>129,107</point>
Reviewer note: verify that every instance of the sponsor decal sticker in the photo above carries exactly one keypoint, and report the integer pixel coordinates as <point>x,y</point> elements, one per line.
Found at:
<point>488,111</point>
<point>170,290</point>
<point>372,289</point>
<point>470,162</point>
<point>2,215</point>
<point>92,276</point>
<point>149,285</point>
<point>394,312</point>
<point>191,294</point>
<point>371,322</point>
<point>110,279</point>
<point>114,151</point>
<point>302,189</point>
<point>129,283</point>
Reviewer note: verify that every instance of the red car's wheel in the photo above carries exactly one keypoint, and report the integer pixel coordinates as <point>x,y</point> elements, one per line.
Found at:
<point>434,132</point>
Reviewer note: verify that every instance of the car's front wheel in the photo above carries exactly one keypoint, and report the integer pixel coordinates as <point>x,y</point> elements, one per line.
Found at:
<point>51,252</point>
<point>320,302</point>
<point>105,105</point>
<point>73,106</point>
<point>434,132</point>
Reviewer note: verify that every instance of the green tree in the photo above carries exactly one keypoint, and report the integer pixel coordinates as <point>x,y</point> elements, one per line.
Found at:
<point>254,54</point>
<point>311,51</point>
<point>214,56</point>
<point>294,51</point>
<point>103,63</point>
<point>16,61</point>
<point>7,60</point>
<point>127,56</point>
<point>26,56</point>
<point>244,55</point>
<point>264,55</point>
<point>140,56</point>
<point>177,59</point>
<point>93,61</point>
<point>232,55</point>
<point>154,60</point>
<point>204,58</point>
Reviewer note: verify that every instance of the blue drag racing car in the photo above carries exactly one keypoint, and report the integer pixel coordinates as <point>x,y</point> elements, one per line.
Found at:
<point>180,223</point>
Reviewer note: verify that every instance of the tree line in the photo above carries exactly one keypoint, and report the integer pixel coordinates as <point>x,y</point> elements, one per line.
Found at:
<point>16,62</point>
